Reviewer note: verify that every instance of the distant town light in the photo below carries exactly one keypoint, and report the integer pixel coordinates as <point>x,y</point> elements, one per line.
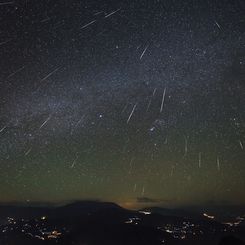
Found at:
<point>208,216</point>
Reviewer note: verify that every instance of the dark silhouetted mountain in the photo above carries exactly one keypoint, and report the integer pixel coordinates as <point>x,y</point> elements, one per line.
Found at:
<point>73,209</point>
<point>81,207</point>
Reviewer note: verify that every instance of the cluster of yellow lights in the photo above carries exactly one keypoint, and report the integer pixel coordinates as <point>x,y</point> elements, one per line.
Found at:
<point>54,234</point>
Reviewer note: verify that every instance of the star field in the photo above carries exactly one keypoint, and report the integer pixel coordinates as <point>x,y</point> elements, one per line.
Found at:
<point>122,101</point>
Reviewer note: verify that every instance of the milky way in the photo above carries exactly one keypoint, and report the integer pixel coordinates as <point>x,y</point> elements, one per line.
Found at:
<point>122,101</point>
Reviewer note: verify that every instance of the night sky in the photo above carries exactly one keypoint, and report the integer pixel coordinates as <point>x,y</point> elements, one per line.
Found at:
<point>138,102</point>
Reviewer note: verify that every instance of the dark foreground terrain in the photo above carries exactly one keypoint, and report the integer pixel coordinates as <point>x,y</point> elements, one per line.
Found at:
<point>96,223</point>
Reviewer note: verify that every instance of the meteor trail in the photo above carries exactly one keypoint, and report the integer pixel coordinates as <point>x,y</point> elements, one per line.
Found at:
<point>132,112</point>
<point>163,99</point>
